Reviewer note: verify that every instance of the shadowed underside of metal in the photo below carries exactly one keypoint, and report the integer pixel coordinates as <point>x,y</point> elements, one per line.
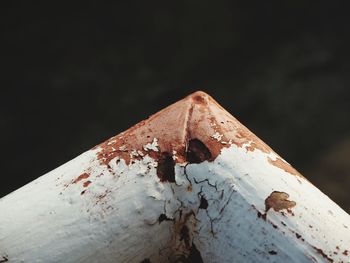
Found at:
<point>190,184</point>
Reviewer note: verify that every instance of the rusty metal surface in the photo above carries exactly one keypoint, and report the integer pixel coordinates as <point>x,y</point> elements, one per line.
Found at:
<point>190,184</point>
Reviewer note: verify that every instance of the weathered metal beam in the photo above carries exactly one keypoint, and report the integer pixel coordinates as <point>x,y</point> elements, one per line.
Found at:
<point>190,184</point>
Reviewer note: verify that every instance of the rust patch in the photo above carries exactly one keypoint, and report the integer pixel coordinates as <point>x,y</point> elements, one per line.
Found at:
<point>86,184</point>
<point>111,149</point>
<point>197,152</point>
<point>346,253</point>
<point>279,163</point>
<point>245,136</point>
<point>251,147</point>
<point>199,98</point>
<point>189,122</point>
<point>81,177</point>
<point>278,201</point>
<point>166,168</point>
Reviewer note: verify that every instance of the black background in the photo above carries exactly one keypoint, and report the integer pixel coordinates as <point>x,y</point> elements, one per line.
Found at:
<point>74,75</point>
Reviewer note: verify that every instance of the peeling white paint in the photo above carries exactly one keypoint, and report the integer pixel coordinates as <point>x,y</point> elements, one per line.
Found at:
<point>111,142</point>
<point>217,136</point>
<point>152,146</point>
<point>116,218</point>
<point>174,155</point>
<point>123,148</point>
<point>134,153</point>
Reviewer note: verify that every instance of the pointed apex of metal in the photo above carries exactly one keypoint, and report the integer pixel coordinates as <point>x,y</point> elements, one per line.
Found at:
<point>195,125</point>
<point>201,98</point>
<point>199,95</point>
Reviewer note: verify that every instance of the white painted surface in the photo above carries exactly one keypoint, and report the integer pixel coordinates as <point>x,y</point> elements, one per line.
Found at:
<point>115,219</point>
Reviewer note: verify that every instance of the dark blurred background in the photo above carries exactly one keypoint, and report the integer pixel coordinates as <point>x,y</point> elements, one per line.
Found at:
<point>78,74</point>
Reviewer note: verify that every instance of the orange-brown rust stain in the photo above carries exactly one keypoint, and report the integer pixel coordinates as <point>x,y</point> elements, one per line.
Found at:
<point>81,177</point>
<point>251,147</point>
<point>124,144</point>
<point>199,98</point>
<point>112,148</point>
<point>87,183</point>
<point>279,163</point>
<point>236,133</point>
<point>278,201</point>
<point>246,136</point>
<point>198,116</point>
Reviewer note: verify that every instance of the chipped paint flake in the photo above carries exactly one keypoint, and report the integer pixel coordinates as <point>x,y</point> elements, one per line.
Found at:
<point>81,177</point>
<point>87,183</point>
<point>174,155</point>
<point>111,142</point>
<point>123,148</point>
<point>217,136</point>
<point>152,146</point>
<point>278,201</point>
<point>134,153</point>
